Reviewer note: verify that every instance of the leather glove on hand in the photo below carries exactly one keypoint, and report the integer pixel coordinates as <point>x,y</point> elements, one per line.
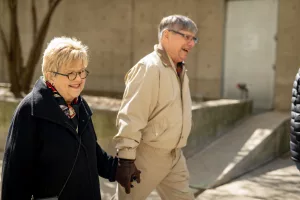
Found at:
<point>126,173</point>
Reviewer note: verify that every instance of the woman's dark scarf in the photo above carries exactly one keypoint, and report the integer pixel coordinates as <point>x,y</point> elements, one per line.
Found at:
<point>70,110</point>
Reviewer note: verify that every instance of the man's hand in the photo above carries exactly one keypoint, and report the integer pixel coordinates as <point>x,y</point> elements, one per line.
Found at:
<point>127,173</point>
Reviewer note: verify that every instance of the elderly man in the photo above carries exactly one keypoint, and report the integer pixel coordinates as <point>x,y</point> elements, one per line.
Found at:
<point>154,120</point>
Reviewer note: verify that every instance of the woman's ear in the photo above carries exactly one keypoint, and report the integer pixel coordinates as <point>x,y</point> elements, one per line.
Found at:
<point>50,77</point>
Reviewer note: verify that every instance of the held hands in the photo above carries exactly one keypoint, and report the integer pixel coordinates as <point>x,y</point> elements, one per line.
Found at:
<point>127,173</point>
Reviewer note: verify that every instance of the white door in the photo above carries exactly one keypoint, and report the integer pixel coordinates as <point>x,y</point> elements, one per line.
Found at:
<point>250,50</point>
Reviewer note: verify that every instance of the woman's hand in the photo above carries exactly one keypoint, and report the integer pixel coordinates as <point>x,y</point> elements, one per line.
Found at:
<point>127,173</point>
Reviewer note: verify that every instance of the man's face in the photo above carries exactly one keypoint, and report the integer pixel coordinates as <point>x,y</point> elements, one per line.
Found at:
<point>179,44</point>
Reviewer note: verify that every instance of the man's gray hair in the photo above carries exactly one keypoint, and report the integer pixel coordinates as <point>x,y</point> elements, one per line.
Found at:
<point>177,23</point>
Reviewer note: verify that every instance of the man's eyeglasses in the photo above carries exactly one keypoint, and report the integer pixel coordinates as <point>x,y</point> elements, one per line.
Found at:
<point>72,76</point>
<point>185,36</point>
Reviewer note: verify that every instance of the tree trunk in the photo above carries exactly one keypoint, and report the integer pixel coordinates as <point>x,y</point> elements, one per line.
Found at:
<point>36,48</point>
<point>21,75</point>
<point>15,59</point>
<point>15,87</point>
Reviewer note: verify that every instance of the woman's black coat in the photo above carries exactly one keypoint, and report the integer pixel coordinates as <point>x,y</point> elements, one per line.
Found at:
<point>41,148</point>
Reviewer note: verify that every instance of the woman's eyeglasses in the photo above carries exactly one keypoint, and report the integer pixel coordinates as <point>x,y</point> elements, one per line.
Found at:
<point>72,76</point>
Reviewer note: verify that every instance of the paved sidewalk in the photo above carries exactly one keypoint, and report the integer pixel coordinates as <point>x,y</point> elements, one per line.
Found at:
<point>108,189</point>
<point>278,180</point>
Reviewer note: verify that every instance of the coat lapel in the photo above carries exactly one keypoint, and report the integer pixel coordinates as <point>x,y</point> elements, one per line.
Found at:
<point>44,106</point>
<point>85,116</point>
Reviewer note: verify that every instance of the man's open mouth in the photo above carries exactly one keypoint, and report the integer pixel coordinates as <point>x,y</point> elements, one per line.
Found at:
<point>186,50</point>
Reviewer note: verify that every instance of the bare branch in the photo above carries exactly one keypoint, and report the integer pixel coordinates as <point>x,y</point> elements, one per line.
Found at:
<point>51,2</point>
<point>36,49</point>
<point>12,4</point>
<point>34,19</point>
<point>4,42</point>
<point>16,56</point>
<point>13,22</point>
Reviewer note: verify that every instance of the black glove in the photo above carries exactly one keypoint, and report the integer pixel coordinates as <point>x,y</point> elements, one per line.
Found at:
<point>127,173</point>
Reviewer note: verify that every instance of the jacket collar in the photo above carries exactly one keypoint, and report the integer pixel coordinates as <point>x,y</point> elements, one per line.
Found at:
<point>44,106</point>
<point>164,57</point>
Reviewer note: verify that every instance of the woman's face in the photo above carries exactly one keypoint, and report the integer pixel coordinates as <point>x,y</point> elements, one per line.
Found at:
<point>69,89</point>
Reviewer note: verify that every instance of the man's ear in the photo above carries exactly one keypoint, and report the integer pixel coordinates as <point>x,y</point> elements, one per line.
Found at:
<point>165,34</point>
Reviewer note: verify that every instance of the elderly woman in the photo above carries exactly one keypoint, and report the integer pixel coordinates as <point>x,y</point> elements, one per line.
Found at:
<point>51,150</point>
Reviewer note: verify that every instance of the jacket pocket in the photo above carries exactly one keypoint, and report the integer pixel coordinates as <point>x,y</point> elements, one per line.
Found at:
<point>160,127</point>
<point>154,129</point>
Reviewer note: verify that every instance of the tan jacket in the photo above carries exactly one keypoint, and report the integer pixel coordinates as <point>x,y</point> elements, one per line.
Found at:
<point>156,106</point>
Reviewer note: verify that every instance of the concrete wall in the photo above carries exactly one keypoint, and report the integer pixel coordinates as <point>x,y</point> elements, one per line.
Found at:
<point>205,61</point>
<point>288,52</point>
<point>120,32</point>
<point>208,76</point>
<point>211,119</point>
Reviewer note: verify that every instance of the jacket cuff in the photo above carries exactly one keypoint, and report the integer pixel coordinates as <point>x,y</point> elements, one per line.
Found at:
<point>126,153</point>
<point>297,165</point>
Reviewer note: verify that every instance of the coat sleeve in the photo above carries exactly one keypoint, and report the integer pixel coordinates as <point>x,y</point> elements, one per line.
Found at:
<point>295,121</point>
<point>106,164</point>
<point>17,170</point>
<point>139,99</point>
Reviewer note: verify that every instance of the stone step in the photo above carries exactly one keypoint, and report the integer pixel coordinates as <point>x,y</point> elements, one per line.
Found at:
<point>253,142</point>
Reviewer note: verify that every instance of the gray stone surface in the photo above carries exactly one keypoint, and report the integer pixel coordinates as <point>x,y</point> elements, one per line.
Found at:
<point>277,180</point>
<point>120,32</point>
<point>250,144</point>
<point>119,39</point>
<point>210,119</point>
